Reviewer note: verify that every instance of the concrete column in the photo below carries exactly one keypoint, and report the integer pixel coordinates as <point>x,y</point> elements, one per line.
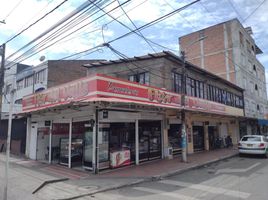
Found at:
<point>50,142</point>
<point>165,137</point>
<point>189,130</point>
<point>28,136</point>
<point>206,138</point>
<point>70,144</point>
<point>226,52</point>
<point>137,158</point>
<point>96,142</point>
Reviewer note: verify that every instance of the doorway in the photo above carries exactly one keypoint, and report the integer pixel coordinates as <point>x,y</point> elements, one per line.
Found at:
<point>174,138</point>
<point>198,138</point>
<point>212,137</point>
<point>149,140</point>
<point>42,143</point>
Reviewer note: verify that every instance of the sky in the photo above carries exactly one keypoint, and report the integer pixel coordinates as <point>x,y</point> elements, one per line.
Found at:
<point>94,28</point>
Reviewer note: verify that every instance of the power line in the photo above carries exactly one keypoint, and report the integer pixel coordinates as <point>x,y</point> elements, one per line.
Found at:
<point>127,59</point>
<point>12,10</point>
<point>155,21</point>
<point>73,32</point>
<point>144,26</point>
<point>44,43</point>
<point>140,33</point>
<point>234,8</point>
<point>12,38</point>
<point>254,11</point>
<point>230,59</point>
<point>38,13</point>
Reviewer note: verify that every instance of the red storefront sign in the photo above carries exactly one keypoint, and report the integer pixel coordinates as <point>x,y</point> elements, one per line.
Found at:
<point>100,86</point>
<point>110,89</point>
<point>196,104</point>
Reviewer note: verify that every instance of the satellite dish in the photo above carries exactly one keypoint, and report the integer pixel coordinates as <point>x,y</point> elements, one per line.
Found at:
<point>42,58</point>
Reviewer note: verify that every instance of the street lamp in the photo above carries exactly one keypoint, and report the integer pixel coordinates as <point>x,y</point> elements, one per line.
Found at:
<point>183,119</point>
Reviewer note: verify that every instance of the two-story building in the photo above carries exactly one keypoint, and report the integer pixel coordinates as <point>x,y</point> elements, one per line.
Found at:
<point>128,111</point>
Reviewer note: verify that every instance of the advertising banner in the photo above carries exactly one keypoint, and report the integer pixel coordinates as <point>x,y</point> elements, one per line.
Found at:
<point>102,86</point>
<point>120,158</point>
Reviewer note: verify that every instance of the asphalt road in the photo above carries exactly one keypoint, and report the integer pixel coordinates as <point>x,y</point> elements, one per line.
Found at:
<point>232,179</point>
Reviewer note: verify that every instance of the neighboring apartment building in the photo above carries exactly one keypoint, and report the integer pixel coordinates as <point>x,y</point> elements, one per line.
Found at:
<point>229,51</point>
<point>45,75</point>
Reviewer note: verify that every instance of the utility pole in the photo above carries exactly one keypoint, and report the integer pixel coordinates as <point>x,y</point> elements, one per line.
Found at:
<point>183,120</point>
<point>8,140</point>
<point>2,72</point>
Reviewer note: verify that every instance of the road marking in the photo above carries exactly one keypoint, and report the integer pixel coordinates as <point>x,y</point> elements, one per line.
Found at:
<point>209,189</point>
<point>230,170</point>
<point>169,194</point>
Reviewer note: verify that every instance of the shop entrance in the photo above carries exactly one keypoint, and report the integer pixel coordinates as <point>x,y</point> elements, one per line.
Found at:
<point>42,143</point>
<point>88,148</point>
<point>174,138</point>
<point>212,137</point>
<point>122,144</point>
<point>149,140</point>
<point>198,138</point>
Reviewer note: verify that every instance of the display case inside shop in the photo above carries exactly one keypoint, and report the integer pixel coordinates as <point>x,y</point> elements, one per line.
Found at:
<point>122,143</point>
<point>149,140</point>
<point>76,151</point>
<point>103,140</point>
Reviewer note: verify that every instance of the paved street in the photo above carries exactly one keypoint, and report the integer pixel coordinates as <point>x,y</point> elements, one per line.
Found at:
<point>235,178</point>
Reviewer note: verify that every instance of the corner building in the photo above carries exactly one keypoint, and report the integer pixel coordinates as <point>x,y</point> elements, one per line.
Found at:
<point>128,112</point>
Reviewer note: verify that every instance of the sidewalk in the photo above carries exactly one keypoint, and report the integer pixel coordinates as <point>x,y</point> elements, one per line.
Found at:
<point>83,183</point>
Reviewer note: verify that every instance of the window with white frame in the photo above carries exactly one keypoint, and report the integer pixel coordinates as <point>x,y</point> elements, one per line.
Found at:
<point>29,81</point>
<point>142,78</point>
<point>20,84</point>
<point>8,88</point>
<point>40,76</point>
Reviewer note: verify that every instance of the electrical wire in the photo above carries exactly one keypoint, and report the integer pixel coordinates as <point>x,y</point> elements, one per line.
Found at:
<point>80,9</point>
<point>147,25</point>
<point>124,35</point>
<point>151,23</point>
<point>140,33</point>
<point>253,11</point>
<point>234,8</point>
<point>12,10</point>
<point>44,16</point>
<point>128,60</point>
<point>35,49</point>
<point>230,59</point>
<point>35,15</point>
<point>106,24</point>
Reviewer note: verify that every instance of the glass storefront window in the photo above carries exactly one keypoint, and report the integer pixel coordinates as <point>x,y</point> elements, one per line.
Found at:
<point>174,137</point>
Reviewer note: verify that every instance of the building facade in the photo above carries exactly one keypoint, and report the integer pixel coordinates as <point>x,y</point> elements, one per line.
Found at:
<point>229,51</point>
<point>131,114</point>
<point>27,80</point>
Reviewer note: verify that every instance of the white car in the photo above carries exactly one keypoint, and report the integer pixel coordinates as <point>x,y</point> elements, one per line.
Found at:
<point>253,144</point>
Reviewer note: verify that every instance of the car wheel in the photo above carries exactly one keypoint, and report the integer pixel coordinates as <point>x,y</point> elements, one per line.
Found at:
<point>241,155</point>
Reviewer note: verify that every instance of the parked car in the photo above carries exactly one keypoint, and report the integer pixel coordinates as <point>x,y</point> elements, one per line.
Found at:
<point>253,144</point>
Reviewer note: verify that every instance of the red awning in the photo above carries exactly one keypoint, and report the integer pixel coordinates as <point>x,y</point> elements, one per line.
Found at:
<point>101,99</point>
<point>124,101</point>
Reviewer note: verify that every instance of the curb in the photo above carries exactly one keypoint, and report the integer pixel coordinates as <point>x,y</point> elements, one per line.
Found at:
<point>153,178</point>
